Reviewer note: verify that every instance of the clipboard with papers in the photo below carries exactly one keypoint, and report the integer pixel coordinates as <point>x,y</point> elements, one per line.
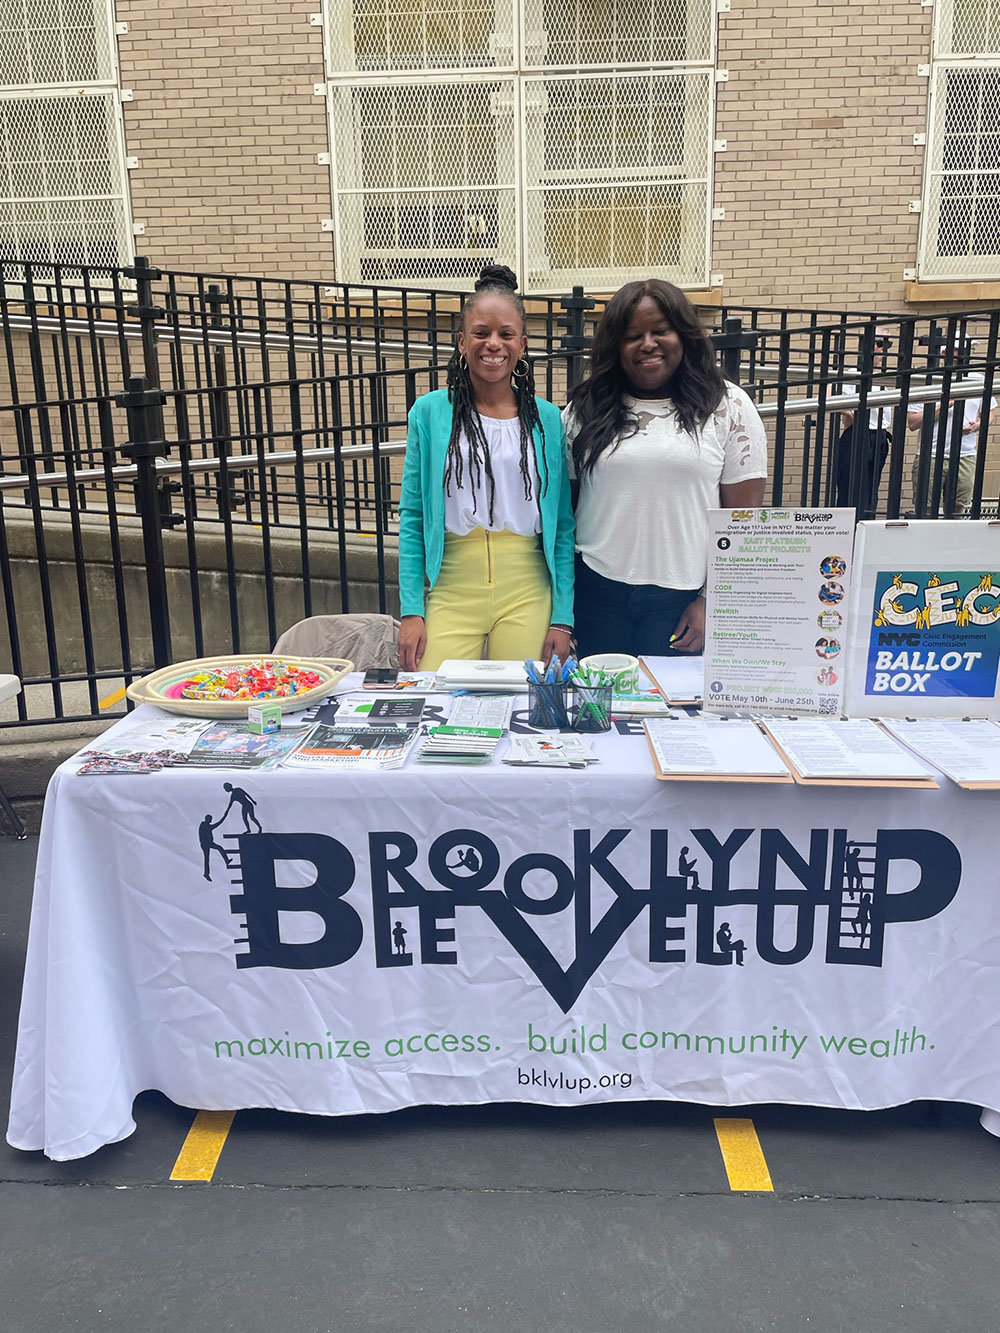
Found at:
<point>844,752</point>
<point>681,679</point>
<point>708,749</point>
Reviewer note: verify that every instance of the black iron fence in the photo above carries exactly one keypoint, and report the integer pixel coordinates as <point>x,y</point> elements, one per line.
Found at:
<point>188,463</point>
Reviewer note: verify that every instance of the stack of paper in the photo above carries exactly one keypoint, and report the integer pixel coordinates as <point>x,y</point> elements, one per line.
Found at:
<point>845,751</point>
<point>328,746</point>
<point>966,749</point>
<point>459,745</point>
<point>159,741</point>
<point>651,704</point>
<point>233,745</point>
<point>550,751</point>
<point>499,677</point>
<point>476,710</point>
<point>699,748</point>
<point>399,710</point>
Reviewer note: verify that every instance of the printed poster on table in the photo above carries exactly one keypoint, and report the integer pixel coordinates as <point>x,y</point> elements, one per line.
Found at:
<point>776,612</point>
<point>925,619</point>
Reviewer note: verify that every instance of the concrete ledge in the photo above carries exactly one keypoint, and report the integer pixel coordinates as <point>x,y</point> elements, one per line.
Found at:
<point>83,586</point>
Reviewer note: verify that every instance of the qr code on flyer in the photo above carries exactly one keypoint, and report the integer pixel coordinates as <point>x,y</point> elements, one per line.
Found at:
<point>828,705</point>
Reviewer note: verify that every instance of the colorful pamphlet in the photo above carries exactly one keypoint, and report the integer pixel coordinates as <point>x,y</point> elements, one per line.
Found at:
<point>233,745</point>
<point>332,746</point>
<point>569,751</point>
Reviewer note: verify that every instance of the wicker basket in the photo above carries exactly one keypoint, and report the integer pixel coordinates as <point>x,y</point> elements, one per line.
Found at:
<point>157,688</point>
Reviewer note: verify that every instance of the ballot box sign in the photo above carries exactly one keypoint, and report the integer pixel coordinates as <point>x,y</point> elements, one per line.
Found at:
<point>934,634</point>
<point>924,626</point>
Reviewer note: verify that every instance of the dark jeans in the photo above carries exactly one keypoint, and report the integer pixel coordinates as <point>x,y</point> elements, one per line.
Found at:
<point>874,451</point>
<point>612,617</point>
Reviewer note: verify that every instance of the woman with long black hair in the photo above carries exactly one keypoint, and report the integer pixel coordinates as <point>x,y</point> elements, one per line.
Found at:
<point>485,520</point>
<point>658,438</point>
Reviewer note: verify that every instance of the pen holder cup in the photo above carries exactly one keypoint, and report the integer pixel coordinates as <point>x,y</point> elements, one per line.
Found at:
<point>548,706</point>
<point>593,708</point>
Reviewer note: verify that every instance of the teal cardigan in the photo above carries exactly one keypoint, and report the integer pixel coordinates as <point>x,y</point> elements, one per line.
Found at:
<point>421,504</point>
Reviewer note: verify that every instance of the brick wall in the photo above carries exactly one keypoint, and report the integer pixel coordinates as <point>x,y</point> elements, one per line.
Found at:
<point>820,111</point>
<point>226,127</point>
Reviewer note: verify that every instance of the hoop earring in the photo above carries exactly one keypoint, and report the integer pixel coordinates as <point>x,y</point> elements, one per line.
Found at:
<point>521,374</point>
<point>463,365</point>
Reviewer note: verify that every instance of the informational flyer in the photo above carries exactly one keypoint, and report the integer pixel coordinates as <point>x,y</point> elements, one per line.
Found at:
<point>776,610</point>
<point>819,747</point>
<point>966,748</point>
<point>925,620</point>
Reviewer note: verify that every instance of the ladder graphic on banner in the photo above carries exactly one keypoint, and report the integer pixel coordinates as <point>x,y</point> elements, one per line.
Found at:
<point>856,895</point>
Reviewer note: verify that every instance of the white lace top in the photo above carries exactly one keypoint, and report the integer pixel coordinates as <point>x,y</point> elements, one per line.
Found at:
<point>640,518</point>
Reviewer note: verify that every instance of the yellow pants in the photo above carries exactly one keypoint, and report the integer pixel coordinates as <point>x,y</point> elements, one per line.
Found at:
<point>494,588</point>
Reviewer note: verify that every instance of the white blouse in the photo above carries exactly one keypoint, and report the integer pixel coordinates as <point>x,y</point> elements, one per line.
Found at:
<point>641,515</point>
<point>510,508</point>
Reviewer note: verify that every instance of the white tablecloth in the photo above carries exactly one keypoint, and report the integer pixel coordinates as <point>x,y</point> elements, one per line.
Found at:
<point>444,935</point>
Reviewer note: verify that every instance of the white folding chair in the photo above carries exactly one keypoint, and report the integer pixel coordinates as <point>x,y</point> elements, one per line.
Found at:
<point>9,686</point>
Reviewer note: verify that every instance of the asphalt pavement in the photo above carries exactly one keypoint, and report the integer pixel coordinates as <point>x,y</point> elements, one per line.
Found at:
<point>505,1217</point>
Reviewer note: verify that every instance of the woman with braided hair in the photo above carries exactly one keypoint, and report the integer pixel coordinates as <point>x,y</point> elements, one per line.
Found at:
<point>485,520</point>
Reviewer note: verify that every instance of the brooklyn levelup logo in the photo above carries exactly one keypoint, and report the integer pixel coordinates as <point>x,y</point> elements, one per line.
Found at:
<point>837,897</point>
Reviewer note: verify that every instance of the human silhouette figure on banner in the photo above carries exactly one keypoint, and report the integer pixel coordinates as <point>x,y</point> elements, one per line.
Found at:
<point>208,844</point>
<point>862,923</point>
<point>468,859</point>
<point>399,937</point>
<point>724,939</point>
<point>855,879</point>
<point>246,803</point>
<point>686,868</point>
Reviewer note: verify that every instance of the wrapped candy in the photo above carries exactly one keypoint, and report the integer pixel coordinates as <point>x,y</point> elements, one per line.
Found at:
<point>251,681</point>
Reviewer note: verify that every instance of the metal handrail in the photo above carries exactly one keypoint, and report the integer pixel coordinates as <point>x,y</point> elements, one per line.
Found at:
<point>166,467</point>
<point>197,334</point>
<point>792,407</point>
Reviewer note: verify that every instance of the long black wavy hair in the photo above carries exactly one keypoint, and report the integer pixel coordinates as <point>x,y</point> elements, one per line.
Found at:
<point>495,279</point>
<point>598,402</point>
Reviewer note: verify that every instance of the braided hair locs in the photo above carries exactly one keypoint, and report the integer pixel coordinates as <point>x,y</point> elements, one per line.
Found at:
<point>495,279</point>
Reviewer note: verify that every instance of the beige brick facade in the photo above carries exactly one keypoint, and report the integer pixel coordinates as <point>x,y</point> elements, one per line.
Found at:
<point>819,113</point>
<point>227,129</point>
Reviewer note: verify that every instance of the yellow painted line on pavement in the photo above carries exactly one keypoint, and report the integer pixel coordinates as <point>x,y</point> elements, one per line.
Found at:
<point>743,1156</point>
<point>113,699</point>
<point>203,1146</point>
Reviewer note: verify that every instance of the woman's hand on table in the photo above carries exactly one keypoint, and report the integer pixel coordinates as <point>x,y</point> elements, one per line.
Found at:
<point>557,643</point>
<point>412,642</point>
<point>689,633</point>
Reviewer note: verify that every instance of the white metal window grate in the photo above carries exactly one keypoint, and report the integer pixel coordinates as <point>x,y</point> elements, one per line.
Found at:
<point>63,180</point>
<point>428,192</point>
<point>61,197</point>
<point>48,43</point>
<point>966,28</point>
<point>585,33</point>
<point>575,174</point>
<point>960,223</point>
<point>373,36</point>
<point>618,175</point>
